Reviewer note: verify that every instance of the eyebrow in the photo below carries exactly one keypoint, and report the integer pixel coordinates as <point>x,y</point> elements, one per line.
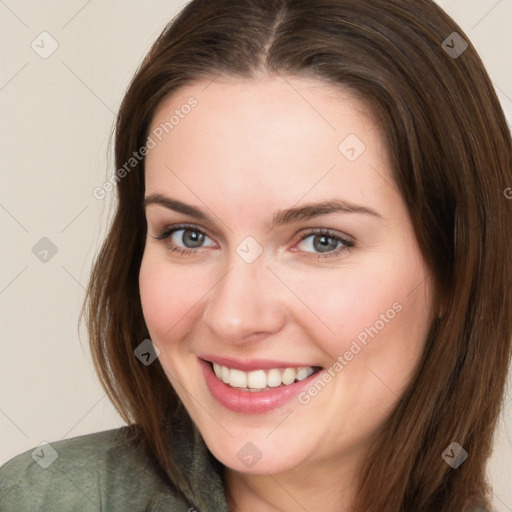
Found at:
<point>281,217</point>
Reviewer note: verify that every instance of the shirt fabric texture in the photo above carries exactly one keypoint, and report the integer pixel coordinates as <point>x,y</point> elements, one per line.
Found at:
<point>107,471</point>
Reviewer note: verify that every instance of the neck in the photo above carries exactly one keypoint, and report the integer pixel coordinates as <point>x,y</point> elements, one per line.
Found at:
<point>293,490</point>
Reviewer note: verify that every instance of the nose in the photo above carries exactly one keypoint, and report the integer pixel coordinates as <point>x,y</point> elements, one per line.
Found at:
<point>247,304</point>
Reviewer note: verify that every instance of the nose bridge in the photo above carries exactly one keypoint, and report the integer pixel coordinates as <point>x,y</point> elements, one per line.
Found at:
<point>243,302</point>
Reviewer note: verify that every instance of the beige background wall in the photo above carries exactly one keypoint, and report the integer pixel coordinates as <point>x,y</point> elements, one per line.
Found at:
<point>56,118</point>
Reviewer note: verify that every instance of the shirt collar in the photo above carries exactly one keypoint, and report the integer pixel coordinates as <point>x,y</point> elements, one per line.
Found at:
<point>202,474</point>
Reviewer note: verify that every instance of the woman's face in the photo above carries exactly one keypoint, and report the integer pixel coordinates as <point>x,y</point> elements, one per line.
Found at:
<point>300,257</point>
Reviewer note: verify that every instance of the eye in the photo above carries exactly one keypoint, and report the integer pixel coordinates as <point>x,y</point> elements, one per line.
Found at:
<point>189,236</point>
<point>321,243</point>
<point>325,243</point>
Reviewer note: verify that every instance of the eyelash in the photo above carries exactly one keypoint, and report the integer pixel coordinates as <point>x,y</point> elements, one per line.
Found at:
<point>347,244</point>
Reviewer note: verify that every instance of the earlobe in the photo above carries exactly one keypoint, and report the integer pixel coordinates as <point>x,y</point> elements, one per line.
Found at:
<point>443,306</point>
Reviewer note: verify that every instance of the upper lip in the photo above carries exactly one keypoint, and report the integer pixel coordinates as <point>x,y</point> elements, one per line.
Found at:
<point>247,365</point>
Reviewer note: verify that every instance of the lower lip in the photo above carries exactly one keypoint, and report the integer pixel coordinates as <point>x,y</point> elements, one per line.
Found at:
<point>248,402</point>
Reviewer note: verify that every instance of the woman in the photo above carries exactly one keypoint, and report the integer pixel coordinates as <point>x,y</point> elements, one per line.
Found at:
<point>304,298</point>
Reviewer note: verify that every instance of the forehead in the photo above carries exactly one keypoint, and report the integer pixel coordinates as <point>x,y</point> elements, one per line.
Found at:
<point>282,139</point>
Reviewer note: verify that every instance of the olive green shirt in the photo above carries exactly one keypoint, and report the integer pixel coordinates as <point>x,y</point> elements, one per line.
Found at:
<point>108,471</point>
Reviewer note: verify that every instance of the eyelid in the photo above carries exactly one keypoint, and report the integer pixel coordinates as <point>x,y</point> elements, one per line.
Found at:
<point>325,231</point>
<point>168,230</point>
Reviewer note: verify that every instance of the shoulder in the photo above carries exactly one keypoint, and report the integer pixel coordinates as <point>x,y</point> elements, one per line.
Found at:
<point>101,471</point>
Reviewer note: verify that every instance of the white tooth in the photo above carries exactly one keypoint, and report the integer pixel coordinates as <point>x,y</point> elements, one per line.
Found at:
<point>257,379</point>
<point>274,378</point>
<point>260,379</point>
<point>225,374</point>
<point>304,373</point>
<point>237,378</point>
<point>288,376</point>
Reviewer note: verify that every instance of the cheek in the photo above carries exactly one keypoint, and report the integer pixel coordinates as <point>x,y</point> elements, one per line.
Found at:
<point>168,297</point>
<point>375,317</point>
<point>393,353</point>
<point>380,331</point>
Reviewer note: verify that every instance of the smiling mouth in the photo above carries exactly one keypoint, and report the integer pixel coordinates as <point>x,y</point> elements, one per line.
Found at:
<point>262,380</point>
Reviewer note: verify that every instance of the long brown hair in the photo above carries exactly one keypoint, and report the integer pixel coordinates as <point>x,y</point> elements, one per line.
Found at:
<point>451,157</point>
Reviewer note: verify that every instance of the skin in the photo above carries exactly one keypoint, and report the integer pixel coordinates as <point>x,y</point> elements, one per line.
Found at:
<point>248,149</point>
